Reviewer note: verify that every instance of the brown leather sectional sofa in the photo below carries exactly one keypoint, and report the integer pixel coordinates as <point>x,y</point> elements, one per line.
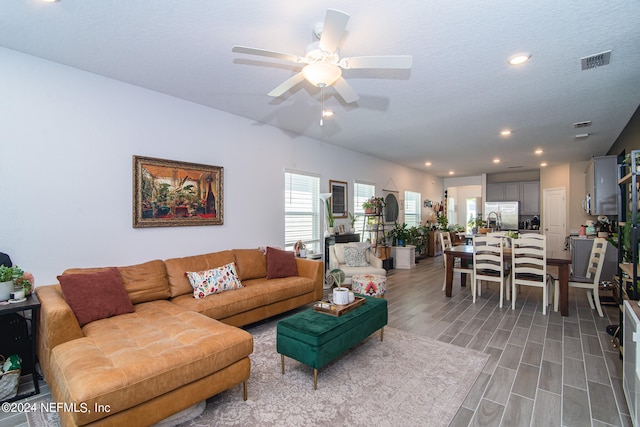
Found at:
<point>174,350</point>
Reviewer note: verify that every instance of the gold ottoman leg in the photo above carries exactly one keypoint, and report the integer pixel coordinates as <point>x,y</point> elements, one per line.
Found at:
<point>315,379</point>
<point>382,333</point>
<point>282,362</point>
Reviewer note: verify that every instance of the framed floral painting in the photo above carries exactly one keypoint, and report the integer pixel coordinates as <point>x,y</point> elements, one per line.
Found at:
<point>168,193</point>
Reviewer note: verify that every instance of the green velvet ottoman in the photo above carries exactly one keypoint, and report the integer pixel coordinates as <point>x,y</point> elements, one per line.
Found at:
<point>316,339</point>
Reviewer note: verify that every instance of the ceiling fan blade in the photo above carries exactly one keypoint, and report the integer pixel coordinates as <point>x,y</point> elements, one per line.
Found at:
<point>267,53</point>
<point>335,24</point>
<point>345,90</point>
<point>392,61</point>
<point>286,85</point>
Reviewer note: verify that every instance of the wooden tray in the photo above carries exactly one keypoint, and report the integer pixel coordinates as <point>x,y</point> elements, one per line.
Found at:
<point>336,310</point>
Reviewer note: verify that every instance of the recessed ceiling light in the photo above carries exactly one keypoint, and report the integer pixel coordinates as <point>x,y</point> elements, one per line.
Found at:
<point>519,58</point>
<point>451,172</point>
<point>496,160</point>
<point>327,113</point>
<point>505,132</point>
<point>427,163</point>
<point>543,164</point>
<point>539,151</point>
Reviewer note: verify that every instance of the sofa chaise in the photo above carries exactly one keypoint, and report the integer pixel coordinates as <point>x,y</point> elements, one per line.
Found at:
<point>168,350</point>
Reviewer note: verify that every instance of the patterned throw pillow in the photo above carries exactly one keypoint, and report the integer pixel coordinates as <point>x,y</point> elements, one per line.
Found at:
<point>214,281</point>
<point>355,257</point>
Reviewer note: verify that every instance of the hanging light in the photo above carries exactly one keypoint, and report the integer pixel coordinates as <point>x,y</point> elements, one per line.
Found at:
<point>321,74</point>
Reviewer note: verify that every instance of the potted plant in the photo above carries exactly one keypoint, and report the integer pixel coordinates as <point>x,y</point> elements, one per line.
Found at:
<point>8,276</point>
<point>400,234</point>
<point>369,206</point>
<point>352,220</point>
<point>373,205</point>
<point>330,218</point>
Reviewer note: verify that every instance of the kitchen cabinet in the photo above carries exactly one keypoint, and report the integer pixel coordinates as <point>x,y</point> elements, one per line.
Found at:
<point>503,192</point>
<point>525,192</point>
<point>530,198</point>
<point>601,186</point>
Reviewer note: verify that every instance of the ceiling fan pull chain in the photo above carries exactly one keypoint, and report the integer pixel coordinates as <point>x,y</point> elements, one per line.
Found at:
<point>321,105</point>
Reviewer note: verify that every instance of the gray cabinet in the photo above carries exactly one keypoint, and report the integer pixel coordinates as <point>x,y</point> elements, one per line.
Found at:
<point>525,192</point>
<point>601,186</point>
<point>530,198</point>
<point>503,192</point>
<point>495,192</point>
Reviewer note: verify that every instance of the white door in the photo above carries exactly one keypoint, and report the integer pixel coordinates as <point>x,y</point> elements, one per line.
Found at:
<point>554,219</point>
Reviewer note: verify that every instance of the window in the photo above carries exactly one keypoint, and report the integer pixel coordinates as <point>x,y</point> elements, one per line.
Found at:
<point>302,210</point>
<point>361,193</point>
<point>412,208</point>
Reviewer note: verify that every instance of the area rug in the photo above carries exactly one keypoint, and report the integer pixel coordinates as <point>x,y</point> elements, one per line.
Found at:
<point>403,380</point>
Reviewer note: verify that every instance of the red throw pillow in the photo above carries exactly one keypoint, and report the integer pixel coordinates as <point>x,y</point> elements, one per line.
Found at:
<point>95,296</point>
<point>280,263</point>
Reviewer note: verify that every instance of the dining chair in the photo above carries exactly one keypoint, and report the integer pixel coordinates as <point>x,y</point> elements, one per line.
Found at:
<point>445,241</point>
<point>591,282</point>
<point>529,266</point>
<point>489,265</point>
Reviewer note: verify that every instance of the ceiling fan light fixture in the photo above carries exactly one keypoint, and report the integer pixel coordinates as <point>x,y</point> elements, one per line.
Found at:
<point>321,74</point>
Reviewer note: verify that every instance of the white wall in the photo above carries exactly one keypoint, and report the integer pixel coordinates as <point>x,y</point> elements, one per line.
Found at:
<point>67,138</point>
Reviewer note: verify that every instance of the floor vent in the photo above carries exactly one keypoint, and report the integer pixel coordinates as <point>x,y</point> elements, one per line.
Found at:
<point>584,124</point>
<point>597,60</point>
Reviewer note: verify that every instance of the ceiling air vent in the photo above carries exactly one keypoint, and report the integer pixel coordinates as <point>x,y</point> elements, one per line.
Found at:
<point>584,124</point>
<point>514,167</point>
<point>597,60</point>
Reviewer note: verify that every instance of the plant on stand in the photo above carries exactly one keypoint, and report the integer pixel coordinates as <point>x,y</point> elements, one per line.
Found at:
<point>12,278</point>
<point>373,205</point>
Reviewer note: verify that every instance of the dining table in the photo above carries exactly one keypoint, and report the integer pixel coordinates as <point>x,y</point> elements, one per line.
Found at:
<point>555,258</point>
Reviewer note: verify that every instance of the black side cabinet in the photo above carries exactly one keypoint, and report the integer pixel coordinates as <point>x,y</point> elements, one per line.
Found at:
<point>17,337</point>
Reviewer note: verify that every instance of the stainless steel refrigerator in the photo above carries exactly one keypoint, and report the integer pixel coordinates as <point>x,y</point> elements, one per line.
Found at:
<point>501,215</point>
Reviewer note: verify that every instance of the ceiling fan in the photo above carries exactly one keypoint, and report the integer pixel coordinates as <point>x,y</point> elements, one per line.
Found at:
<point>322,63</point>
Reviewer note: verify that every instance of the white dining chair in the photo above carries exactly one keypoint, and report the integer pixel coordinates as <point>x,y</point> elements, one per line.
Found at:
<point>529,266</point>
<point>445,241</point>
<point>489,265</point>
<point>592,281</point>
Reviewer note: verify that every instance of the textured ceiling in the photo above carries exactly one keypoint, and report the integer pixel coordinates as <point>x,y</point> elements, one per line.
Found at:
<point>448,109</point>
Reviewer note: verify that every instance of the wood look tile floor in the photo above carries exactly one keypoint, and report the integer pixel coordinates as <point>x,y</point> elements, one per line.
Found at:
<point>543,371</point>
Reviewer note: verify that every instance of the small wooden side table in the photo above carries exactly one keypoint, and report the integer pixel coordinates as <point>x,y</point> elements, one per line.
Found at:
<point>30,304</point>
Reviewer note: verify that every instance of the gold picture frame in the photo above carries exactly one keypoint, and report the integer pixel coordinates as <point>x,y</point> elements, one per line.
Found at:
<point>339,198</point>
<point>169,193</point>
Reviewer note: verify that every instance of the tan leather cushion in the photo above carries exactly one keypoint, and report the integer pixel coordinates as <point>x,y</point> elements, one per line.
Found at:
<point>129,359</point>
<point>143,282</point>
<point>251,263</point>
<point>177,267</point>
<point>254,294</point>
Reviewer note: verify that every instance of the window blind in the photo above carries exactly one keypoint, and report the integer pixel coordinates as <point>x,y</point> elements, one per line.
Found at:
<point>412,208</point>
<point>302,209</point>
